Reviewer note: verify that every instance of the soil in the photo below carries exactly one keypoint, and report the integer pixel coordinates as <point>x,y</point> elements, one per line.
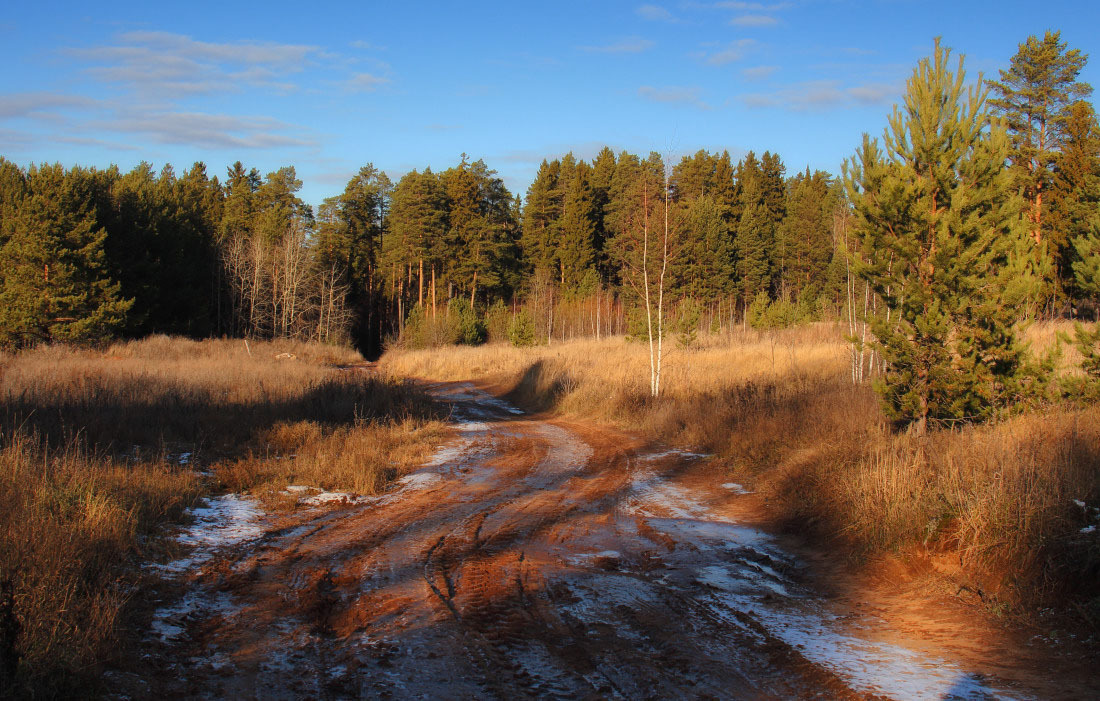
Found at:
<point>535,557</point>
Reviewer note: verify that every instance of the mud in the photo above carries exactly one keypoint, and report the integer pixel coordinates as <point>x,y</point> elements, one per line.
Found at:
<point>550,559</point>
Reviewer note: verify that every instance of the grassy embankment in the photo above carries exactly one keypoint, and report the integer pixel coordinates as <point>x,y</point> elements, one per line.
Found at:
<point>90,471</point>
<point>991,506</point>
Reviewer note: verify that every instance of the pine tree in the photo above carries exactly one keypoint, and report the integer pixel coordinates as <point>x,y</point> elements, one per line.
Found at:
<point>1076,186</point>
<point>577,230</point>
<point>942,240</point>
<point>55,282</point>
<point>1034,97</point>
<point>752,244</point>
<point>804,237</point>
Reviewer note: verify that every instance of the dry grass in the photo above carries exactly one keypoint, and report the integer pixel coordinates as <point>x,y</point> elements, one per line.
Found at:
<point>70,523</point>
<point>89,473</point>
<point>780,413</point>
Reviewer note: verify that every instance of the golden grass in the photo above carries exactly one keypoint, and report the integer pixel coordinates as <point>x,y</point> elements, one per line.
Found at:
<point>70,522</point>
<point>779,412</point>
<point>89,473</point>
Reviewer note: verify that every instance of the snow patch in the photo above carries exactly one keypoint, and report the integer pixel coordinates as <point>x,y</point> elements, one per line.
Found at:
<point>330,498</point>
<point>735,488</point>
<point>419,480</point>
<point>224,521</point>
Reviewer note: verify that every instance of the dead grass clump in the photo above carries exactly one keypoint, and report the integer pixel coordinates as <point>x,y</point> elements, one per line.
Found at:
<point>70,523</point>
<point>1005,499</point>
<point>362,459</point>
<point>166,391</point>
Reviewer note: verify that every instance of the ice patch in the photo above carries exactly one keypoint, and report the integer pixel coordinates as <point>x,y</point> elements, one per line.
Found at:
<point>735,488</point>
<point>675,452</point>
<point>169,622</point>
<point>329,498</point>
<point>224,521</point>
<point>471,426</point>
<point>419,480</point>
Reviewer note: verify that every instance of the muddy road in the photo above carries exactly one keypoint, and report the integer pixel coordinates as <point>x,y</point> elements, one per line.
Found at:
<point>530,558</point>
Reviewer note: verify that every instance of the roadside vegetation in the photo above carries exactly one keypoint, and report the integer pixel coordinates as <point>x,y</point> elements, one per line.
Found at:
<point>101,450</point>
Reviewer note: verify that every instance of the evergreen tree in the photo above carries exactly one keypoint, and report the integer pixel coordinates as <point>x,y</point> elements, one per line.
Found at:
<point>752,242</point>
<point>1076,185</point>
<point>941,242</point>
<point>1034,96</point>
<point>804,237</point>
<point>540,218</point>
<point>55,285</point>
<point>577,229</point>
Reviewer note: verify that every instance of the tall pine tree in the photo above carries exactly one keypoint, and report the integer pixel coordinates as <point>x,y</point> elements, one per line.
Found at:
<point>942,236</point>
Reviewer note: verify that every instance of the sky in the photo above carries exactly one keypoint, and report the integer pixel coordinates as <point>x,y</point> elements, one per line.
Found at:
<point>330,87</point>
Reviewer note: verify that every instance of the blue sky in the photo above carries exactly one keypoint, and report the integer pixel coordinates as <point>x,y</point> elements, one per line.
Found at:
<point>330,87</point>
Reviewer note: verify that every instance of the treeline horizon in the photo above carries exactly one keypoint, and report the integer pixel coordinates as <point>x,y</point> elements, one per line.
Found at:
<point>89,253</point>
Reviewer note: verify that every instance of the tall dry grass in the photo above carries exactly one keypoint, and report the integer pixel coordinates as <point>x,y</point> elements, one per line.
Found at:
<point>779,412</point>
<point>90,472</point>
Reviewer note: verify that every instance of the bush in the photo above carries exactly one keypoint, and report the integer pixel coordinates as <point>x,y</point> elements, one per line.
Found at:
<point>521,332</point>
<point>468,329</point>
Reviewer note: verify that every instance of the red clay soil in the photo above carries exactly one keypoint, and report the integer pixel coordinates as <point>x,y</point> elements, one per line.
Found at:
<point>554,559</point>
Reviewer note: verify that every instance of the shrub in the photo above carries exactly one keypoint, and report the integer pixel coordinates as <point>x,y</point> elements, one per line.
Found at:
<point>468,329</point>
<point>521,332</point>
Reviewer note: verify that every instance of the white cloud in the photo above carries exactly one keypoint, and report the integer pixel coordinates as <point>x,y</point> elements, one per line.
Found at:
<point>630,45</point>
<point>821,95</point>
<point>365,82</point>
<point>197,129</point>
<point>734,51</point>
<point>759,72</point>
<point>34,104</point>
<point>688,95</point>
<point>655,13</point>
<point>754,21</point>
<point>167,64</point>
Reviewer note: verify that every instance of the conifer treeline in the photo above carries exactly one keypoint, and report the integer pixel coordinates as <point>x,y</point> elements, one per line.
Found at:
<point>91,253</point>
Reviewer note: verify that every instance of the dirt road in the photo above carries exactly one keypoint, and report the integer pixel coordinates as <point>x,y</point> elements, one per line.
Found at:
<point>530,558</point>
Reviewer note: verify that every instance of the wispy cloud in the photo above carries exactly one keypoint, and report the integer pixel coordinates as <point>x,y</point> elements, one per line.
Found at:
<point>822,95</point>
<point>687,95</point>
<point>630,45</point>
<point>754,21</point>
<point>365,82</point>
<point>759,72</point>
<point>734,51</point>
<point>167,64</point>
<point>35,104</point>
<point>15,140</point>
<point>366,46</point>
<point>655,13</point>
<point>749,6</point>
<point>199,129</point>
<point>87,141</point>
